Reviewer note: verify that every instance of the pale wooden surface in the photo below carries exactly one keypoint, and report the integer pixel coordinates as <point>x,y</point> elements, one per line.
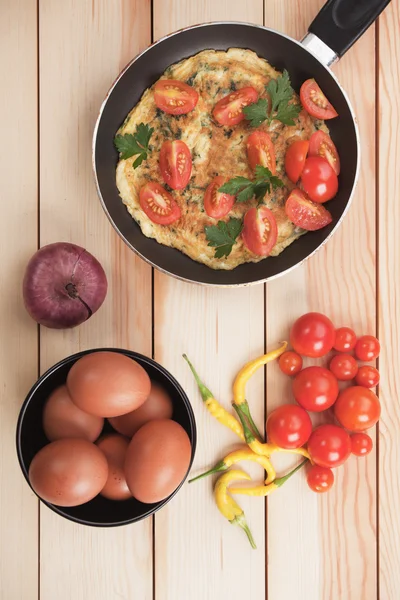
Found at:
<point>309,548</point>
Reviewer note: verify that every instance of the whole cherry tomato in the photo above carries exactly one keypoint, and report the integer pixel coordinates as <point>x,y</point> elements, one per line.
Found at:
<point>320,479</point>
<point>345,339</point>
<point>367,348</point>
<point>290,363</point>
<point>315,388</point>
<point>367,376</point>
<point>312,335</point>
<point>329,446</point>
<point>357,408</point>
<point>344,367</point>
<point>319,180</point>
<point>289,426</point>
<point>361,444</point>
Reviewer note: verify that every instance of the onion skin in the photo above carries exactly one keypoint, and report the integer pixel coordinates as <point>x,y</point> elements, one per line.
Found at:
<point>63,286</point>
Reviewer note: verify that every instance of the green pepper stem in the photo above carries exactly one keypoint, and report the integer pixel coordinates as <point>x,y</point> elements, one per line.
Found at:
<point>246,411</point>
<point>241,521</point>
<point>248,435</point>
<point>220,466</point>
<point>204,391</point>
<point>281,480</point>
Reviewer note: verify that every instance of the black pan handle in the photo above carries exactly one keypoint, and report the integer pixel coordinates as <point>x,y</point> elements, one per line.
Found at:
<point>341,22</point>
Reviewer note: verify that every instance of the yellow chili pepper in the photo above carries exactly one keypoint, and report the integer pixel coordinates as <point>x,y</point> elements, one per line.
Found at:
<point>265,490</point>
<point>237,456</point>
<point>239,385</point>
<point>214,407</point>
<point>228,506</point>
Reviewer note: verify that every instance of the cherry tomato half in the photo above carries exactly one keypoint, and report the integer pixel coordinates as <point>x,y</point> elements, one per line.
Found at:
<point>367,376</point>
<point>345,339</point>
<point>329,446</point>
<point>290,363</point>
<point>289,426</point>
<point>305,213</point>
<point>312,335</point>
<point>315,388</point>
<point>361,444</point>
<point>217,204</point>
<point>357,408</point>
<point>344,367</point>
<point>261,151</point>
<point>229,110</point>
<point>175,164</point>
<point>319,180</point>
<point>367,348</point>
<point>295,159</point>
<point>320,479</point>
<point>260,231</point>
<point>158,204</point>
<point>174,97</point>
<point>322,145</point>
<point>315,102</point>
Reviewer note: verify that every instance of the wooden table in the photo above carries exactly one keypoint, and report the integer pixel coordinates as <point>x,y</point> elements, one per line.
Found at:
<point>58,60</point>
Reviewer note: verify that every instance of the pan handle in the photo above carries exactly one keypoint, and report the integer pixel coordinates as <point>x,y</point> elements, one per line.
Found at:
<point>339,24</point>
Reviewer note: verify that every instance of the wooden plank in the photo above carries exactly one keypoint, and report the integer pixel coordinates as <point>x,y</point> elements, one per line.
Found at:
<point>328,544</point>
<point>389,307</point>
<point>83,45</point>
<point>198,555</point>
<point>18,241</point>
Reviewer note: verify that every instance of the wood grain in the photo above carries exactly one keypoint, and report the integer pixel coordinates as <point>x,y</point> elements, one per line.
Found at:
<point>18,241</point>
<point>83,46</point>
<point>339,530</point>
<point>197,553</point>
<point>389,301</point>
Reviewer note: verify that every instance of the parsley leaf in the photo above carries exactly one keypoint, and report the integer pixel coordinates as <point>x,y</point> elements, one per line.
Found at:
<point>244,189</point>
<point>281,93</point>
<point>132,144</point>
<point>223,235</point>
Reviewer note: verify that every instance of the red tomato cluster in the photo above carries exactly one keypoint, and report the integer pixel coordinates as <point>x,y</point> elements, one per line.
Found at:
<point>316,389</point>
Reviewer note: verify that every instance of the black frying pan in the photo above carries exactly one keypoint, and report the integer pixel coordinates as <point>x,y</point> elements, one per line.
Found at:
<point>339,24</point>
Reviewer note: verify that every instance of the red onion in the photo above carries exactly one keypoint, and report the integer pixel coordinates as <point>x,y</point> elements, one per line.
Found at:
<point>63,285</point>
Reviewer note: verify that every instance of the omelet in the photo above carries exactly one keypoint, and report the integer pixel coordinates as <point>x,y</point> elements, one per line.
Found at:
<point>215,149</point>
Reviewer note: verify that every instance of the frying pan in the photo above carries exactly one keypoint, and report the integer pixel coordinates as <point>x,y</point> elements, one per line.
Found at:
<point>338,25</point>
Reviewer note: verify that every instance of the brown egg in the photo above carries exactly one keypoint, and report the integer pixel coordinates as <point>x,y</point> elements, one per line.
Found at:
<point>107,384</point>
<point>157,460</point>
<point>114,447</point>
<point>63,419</point>
<point>68,472</point>
<point>157,406</point>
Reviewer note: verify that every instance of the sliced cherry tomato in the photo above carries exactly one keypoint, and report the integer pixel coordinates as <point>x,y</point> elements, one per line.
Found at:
<point>322,145</point>
<point>158,204</point>
<point>329,446</point>
<point>305,213</point>
<point>312,335</point>
<point>217,204</point>
<point>260,231</point>
<point>319,180</point>
<point>290,363</point>
<point>229,110</point>
<point>357,408</point>
<point>367,348</point>
<point>261,151</point>
<point>315,102</point>
<point>320,479</point>
<point>289,426</point>
<point>295,159</point>
<point>345,339</point>
<point>367,376</point>
<point>175,97</point>
<point>361,444</point>
<point>315,388</point>
<point>175,164</point>
<point>344,367</point>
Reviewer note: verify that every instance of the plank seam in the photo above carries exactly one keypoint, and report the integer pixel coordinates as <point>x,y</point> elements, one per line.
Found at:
<point>377,182</point>
<point>38,245</point>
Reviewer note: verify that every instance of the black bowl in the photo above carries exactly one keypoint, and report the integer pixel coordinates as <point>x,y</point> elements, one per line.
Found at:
<point>99,512</point>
